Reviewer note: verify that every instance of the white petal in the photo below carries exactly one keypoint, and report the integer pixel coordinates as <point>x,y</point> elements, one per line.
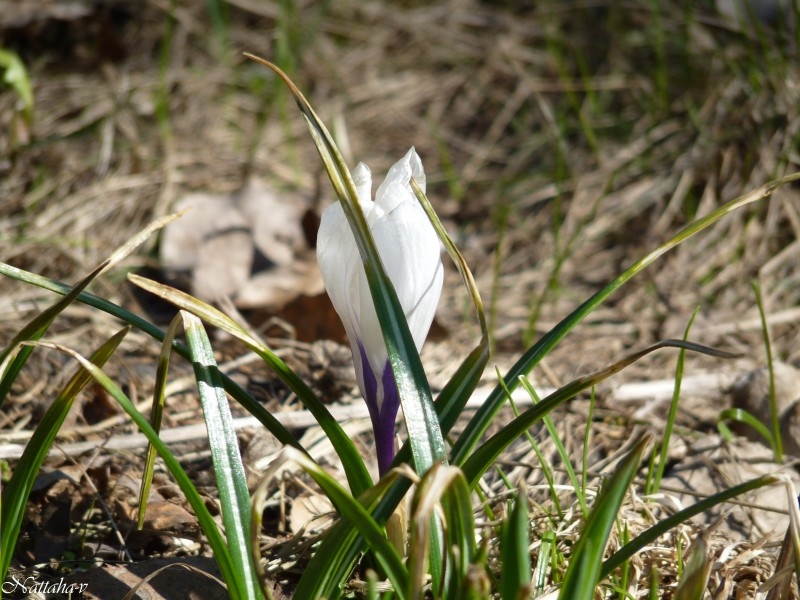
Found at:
<point>398,176</point>
<point>362,178</point>
<point>417,172</point>
<point>409,249</point>
<point>341,269</point>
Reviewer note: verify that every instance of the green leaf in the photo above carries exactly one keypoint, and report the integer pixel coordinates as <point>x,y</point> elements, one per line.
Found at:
<point>777,442</point>
<point>475,429</point>
<point>218,545</point>
<point>740,415</point>
<point>547,548</point>
<point>515,553</point>
<point>484,456</point>
<point>583,573</point>
<point>16,76</point>
<point>663,526</point>
<point>228,467</point>
<point>462,570</point>
<point>156,413</point>
<point>18,489</point>
<point>11,365</point>
<point>355,511</point>
<point>577,486</point>
<point>14,356</point>
<point>442,486</point>
<point>249,403</point>
<point>673,412</point>
<point>357,475</point>
<point>696,572</point>
<point>335,559</point>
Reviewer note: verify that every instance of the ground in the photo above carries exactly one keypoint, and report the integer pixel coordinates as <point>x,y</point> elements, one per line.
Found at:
<point>561,144</point>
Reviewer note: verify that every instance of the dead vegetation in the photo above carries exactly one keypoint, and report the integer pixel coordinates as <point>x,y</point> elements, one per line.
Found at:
<point>561,144</point>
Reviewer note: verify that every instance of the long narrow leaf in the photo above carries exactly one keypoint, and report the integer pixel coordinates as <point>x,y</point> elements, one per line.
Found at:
<point>250,404</point>
<point>673,411</point>
<point>694,580</point>
<point>580,492</point>
<point>156,413</point>
<point>483,417</point>
<point>335,559</point>
<point>740,415</point>
<point>485,455</point>
<point>215,539</point>
<point>357,475</point>
<point>515,549</point>
<point>777,442</point>
<point>37,327</point>
<point>228,467</point>
<point>16,491</point>
<point>586,560</point>
<point>355,511</point>
<point>663,526</point>
<point>547,547</point>
<point>34,330</point>
<point>441,486</point>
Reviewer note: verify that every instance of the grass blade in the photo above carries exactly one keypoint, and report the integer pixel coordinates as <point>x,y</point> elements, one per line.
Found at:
<point>484,457</point>
<point>547,549</point>
<point>357,475</point>
<point>577,485</point>
<point>14,356</point>
<point>11,366</point>
<point>586,561</point>
<point>673,413</point>
<point>317,583</point>
<point>663,526</point>
<point>215,539</point>
<point>228,467</point>
<point>443,486</point>
<point>515,553</point>
<point>246,400</point>
<point>156,413</point>
<point>696,572</point>
<point>777,442</point>
<point>16,491</point>
<point>474,430</point>
<point>740,415</point>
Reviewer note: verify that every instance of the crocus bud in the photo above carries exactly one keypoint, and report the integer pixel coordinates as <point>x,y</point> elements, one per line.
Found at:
<point>410,252</point>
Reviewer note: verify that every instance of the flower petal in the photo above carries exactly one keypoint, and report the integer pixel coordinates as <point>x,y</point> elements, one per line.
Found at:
<point>362,178</point>
<point>410,252</point>
<point>341,268</point>
<point>399,174</point>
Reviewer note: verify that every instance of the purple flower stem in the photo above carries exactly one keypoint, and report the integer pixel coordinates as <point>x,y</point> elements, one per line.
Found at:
<point>383,418</point>
<point>384,428</point>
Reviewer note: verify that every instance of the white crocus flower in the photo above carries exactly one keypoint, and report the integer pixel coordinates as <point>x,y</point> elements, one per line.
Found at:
<point>410,251</point>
